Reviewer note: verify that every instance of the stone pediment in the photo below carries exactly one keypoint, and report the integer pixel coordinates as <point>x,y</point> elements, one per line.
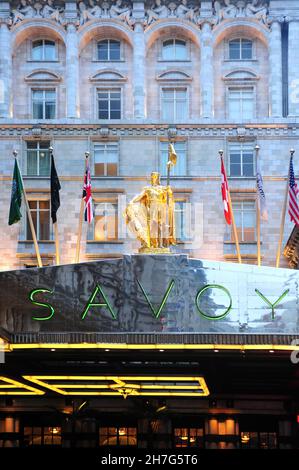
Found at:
<point>175,75</point>
<point>43,76</point>
<point>241,74</point>
<point>108,75</point>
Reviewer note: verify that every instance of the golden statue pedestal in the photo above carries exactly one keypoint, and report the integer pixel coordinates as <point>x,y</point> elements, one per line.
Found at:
<point>154,251</point>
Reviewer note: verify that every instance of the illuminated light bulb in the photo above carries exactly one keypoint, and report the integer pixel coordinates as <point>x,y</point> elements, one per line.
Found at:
<point>245,439</point>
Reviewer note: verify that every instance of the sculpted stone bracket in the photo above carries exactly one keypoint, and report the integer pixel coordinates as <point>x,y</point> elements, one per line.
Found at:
<point>145,12</point>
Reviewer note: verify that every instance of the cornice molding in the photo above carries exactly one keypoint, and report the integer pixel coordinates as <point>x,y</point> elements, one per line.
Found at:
<point>237,133</point>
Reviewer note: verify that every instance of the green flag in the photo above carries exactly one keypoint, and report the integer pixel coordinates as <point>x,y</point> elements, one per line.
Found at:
<point>16,196</point>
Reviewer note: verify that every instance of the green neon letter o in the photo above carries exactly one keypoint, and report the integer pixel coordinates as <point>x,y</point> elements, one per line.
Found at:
<point>213,286</point>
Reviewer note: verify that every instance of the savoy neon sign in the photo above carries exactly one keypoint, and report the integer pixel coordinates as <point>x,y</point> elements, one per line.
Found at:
<point>100,299</point>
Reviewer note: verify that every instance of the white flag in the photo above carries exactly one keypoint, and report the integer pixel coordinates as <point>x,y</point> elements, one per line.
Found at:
<point>261,197</point>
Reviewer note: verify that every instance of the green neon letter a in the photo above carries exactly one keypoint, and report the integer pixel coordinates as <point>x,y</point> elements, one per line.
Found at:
<point>91,302</point>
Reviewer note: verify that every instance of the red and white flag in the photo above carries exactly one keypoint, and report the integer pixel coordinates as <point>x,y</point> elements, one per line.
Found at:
<point>88,212</point>
<point>225,195</point>
<point>293,196</point>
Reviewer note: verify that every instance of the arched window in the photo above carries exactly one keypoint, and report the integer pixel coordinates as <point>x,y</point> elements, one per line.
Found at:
<point>109,49</point>
<point>240,49</point>
<point>43,50</point>
<point>174,49</point>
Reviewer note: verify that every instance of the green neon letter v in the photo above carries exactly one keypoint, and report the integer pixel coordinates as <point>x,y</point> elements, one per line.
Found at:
<point>157,313</point>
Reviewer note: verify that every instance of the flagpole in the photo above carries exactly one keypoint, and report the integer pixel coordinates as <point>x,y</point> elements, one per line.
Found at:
<point>33,233</point>
<point>77,259</point>
<point>233,221</point>
<point>56,237</point>
<point>283,215</point>
<point>258,218</point>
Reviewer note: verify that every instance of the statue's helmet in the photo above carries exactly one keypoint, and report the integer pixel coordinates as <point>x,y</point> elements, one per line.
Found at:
<point>155,177</point>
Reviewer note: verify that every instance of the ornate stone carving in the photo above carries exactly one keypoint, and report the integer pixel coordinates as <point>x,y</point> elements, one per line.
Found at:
<point>225,9</point>
<point>24,11</point>
<point>42,9</point>
<point>96,9</point>
<point>183,9</point>
<point>155,10</point>
<point>257,9</point>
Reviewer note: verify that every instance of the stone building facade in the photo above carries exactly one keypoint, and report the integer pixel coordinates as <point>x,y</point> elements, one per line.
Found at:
<point>119,79</point>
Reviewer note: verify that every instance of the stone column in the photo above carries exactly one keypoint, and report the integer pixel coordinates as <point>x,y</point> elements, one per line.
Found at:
<point>72,72</point>
<point>5,71</point>
<point>207,72</point>
<point>275,66</point>
<point>139,71</point>
<point>294,68</point>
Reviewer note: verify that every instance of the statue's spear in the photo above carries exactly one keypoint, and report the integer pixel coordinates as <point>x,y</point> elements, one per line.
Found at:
<point>172,160</point>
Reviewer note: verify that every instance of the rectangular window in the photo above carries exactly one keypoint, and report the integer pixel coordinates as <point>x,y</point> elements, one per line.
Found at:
<point>38,158</point>
<point>43,104</point>
<point>104,226</point>
<point>258,440</point>
<point>109,49</point>
<point>106,157</point>
<point>174,104</point>
<point>182,220</point>
<point>40,212</point>
<point>245,219</point>
<point>42,436</point>
<point>180,169</point>
<point>189,437</point>
<point>241,103</point>
<point>241,160</point>
<point>43,50</point>
<point>240,49</point>
<point>109,103</point>
<point>118,436</point>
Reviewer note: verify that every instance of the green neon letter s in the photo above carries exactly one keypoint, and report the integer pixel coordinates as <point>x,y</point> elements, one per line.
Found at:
<point>41,304</point>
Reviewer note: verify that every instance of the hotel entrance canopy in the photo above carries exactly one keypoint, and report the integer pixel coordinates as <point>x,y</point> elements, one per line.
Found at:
<point>150,300</point>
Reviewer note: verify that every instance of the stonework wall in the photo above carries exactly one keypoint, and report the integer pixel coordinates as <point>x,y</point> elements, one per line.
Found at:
<point>141,129</point>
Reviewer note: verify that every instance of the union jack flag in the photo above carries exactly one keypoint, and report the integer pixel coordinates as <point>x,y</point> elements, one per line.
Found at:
<point>293,193</point>
<point>88,212</point>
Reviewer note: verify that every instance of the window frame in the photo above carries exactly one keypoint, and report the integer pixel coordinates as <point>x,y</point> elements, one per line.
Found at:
<point>259,432</point>
<point>175,87</point>
<point>178,198</point>
<point>43,39</point>
<point>42,435</point>
<point>242,146</point>
<point>38,150</point>
<point>240,39</point>
<point>174,39</point>
<point>37,197</point>
<point>108,88</point>
<point>117,435</point>
<point>91,229</point>
<point>97,59</point>
<point>106,143</point>
<point>239,200</point>
<point>240,87</point>
<point>188,428</point>
<point>44,90</point>
<point>165,143</point>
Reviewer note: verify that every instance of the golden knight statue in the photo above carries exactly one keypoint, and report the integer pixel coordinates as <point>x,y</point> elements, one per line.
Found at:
<point>150,214</point>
